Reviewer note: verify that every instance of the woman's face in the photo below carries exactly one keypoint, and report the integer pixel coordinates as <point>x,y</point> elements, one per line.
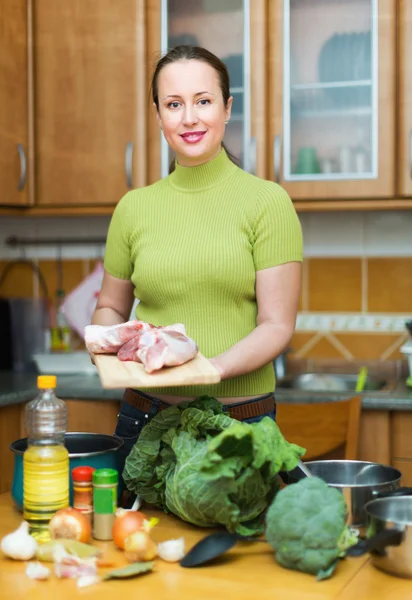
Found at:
<point>191,111</point>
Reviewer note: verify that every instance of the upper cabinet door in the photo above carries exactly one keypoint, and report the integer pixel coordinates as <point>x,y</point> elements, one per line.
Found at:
<point>91,100</point>
<point>332,104</point>
<point>233,30</point>
<point>15,153</point>
<point>405,98</point>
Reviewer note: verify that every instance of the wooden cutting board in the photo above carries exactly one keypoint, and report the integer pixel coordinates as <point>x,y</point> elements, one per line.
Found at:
<point>115,373</point>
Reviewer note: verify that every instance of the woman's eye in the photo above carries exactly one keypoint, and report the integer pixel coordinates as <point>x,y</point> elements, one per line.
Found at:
<point>204,101</point>
<point>173,105</point>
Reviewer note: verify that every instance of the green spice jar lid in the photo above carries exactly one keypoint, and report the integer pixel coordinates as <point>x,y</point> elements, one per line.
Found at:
<point>105,476</point>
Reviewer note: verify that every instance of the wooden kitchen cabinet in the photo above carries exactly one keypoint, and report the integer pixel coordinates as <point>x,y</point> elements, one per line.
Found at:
<point>91,100</point>
<point>322,109</point>
<point>375,436</point>
<point>318,104</point>
<point>93,416</point>
<point>333,98</point>
<point>401,423</point>
<point>15,103</point>
<point>405,99</point>
<point>10,431</point>
<point>235,31</point>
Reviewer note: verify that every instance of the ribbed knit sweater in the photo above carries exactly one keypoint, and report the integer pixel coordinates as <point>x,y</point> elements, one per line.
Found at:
<point>191,244</point>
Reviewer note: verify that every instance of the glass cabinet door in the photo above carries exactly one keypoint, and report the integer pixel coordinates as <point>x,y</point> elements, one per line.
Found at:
<point>334,117</point>
<point>221,26</point>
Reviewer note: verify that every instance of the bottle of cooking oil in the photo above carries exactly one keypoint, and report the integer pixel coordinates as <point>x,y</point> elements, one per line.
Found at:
<point>46,460</point>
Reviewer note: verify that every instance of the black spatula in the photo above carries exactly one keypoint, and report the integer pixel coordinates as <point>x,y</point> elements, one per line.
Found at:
<point>212,546</point>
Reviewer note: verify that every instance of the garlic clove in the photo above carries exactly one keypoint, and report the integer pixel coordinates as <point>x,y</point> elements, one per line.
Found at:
<point>19,544</point>
<point>36,570</point>
<point>87,580</point>
<point>171,550</point>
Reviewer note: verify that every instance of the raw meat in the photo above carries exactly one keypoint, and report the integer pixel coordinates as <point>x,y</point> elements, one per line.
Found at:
<point>138,341</point>
<point>100,339</point>
<point>162,347</point>
<point>129,350</point>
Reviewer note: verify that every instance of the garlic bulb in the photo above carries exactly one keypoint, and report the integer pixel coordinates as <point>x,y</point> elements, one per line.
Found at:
<point>171,550</point>
<point>19,544</point>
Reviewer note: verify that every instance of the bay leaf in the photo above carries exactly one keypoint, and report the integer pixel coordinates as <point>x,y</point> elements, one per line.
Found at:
<point>131,570</point>
<point>45,551</point>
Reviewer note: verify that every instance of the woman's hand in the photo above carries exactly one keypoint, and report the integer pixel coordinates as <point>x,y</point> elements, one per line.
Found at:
<point>216,363</point>
<point>91,357</point>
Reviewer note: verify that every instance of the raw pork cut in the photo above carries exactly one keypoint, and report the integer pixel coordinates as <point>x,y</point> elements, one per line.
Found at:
<point>101,339</point>
<point>138,341</point>
<point>161,347</point>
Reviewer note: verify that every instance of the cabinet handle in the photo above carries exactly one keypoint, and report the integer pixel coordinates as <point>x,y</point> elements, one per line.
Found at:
<point>23,167</point>
<point>252,155</point>
<point>410,153</point>
<point>128,161</point>
<point>276,158</point>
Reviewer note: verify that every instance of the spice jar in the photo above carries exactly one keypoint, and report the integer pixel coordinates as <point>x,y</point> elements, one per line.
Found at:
<point>104,502</point>
<point>83,490</point>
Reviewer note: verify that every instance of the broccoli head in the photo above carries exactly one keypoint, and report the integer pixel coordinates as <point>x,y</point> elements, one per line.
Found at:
<point>306,526</point>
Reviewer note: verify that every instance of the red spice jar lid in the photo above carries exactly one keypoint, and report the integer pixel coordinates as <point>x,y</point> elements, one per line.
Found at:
<point>82,473</point>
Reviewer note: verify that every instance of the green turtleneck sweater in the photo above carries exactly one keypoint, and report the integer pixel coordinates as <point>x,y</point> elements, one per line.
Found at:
<point>191,244</point>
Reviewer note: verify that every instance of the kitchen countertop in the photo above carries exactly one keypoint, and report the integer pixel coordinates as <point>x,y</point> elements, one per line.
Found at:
<point>17,388</point>
<point>247,571</point>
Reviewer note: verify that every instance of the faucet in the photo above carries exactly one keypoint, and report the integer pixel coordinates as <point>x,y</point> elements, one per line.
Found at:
<point>280,365</point>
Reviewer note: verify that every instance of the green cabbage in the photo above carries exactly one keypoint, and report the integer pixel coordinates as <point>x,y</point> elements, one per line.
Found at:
<point>208,469</point>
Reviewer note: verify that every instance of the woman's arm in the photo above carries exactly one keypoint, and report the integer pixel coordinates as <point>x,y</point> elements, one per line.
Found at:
<point>277,295</point>
<point>115,301</point>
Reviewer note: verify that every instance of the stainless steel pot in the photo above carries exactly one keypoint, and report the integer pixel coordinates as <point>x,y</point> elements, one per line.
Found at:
<point>359,481</point>
<point>389,534</point>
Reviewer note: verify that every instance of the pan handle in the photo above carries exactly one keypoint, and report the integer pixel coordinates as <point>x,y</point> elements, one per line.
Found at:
<point>402,491</point>
<point>387,537</point>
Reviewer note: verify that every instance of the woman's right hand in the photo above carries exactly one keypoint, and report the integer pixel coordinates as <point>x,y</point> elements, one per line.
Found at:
<point>91,356</point>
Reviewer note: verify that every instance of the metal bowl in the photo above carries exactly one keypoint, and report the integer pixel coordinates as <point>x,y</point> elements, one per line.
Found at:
<point>359,481</point>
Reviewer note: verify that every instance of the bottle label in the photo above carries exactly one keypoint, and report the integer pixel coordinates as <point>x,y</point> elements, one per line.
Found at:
<point>83,498</point>
<point>104,500</point>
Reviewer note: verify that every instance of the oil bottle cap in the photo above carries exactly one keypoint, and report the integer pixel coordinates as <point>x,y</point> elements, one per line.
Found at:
<point>45,382</point>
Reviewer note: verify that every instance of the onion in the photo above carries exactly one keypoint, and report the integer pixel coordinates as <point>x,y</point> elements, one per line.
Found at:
<point>69,523</point>
<point>140,547</point>
<point>127,522</point>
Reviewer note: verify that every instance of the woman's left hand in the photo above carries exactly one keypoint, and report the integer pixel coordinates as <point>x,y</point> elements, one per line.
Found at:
<point>216,363</point>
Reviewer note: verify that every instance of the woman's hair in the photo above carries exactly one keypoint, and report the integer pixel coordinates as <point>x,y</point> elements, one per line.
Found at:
<point>186,52</point>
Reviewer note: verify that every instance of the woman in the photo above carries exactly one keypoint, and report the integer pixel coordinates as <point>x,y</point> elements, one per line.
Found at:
<point>210,246</point>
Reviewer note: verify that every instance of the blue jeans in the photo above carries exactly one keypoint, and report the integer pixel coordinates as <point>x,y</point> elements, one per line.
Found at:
<point>131,420</point>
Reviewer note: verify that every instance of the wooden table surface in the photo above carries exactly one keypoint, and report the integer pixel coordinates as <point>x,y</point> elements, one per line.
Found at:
<point>249,571</point>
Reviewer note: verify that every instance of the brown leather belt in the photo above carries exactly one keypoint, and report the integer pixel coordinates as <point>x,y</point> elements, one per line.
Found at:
<point>245,410</point>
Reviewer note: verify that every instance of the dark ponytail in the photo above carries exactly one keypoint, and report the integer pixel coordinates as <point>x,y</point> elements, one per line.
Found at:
<point>186,52</point>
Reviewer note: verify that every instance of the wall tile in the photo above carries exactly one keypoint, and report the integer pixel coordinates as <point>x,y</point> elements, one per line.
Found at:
<point>18,282</point>
<point>73,273</point>
<point>335,284</point>
<point>390,285</point>
<point>59,228</point>
<point>299,340</point>
<point>370,346</point>
<point>323,349</point>
<point>388,234</point>
<point>334,234</point>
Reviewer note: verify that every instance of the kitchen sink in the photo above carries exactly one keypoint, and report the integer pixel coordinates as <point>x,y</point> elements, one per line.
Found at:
<point>329,382</point>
